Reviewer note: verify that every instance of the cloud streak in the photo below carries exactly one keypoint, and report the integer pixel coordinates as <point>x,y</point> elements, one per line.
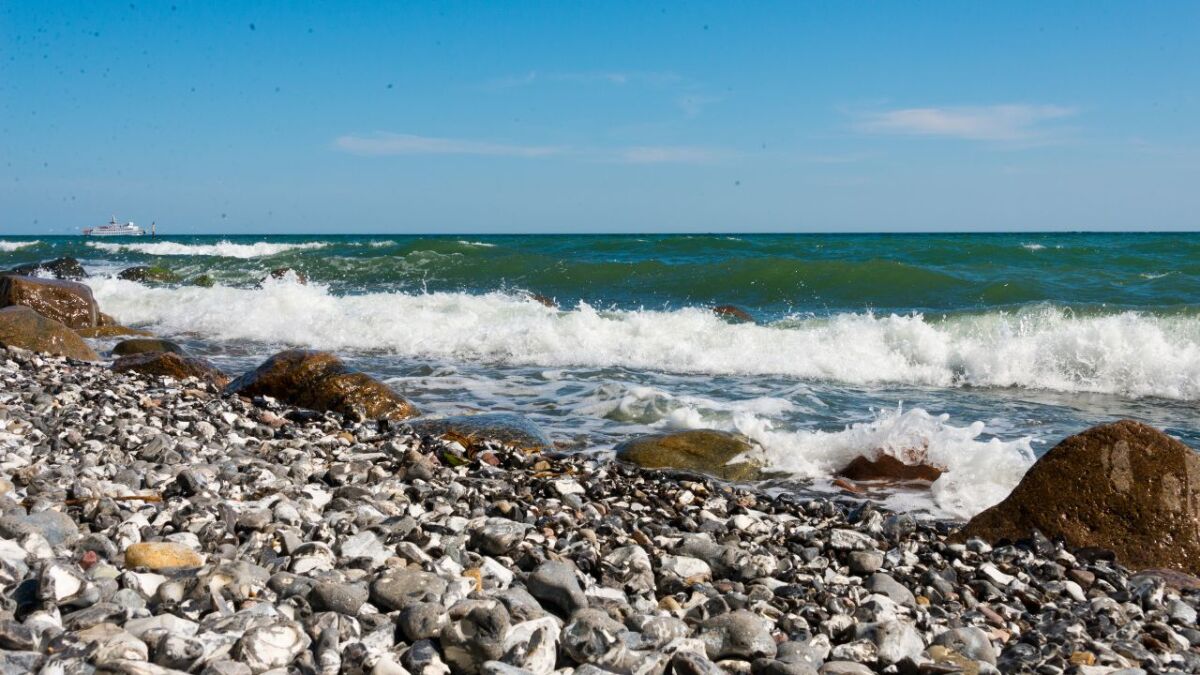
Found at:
<point>382,144</point>
<point>1011,122</point>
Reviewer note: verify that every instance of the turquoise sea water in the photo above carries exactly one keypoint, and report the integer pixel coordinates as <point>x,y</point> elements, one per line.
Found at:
<point>979,350</point>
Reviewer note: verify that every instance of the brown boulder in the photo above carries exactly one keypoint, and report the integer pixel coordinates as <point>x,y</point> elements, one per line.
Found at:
<point>22,327</point>
<point>321,381</point>
<point>1124,487</point>
<point>170,364</point>
<point>888,469</point>
<point>64,301</point>
<point>704,450</point>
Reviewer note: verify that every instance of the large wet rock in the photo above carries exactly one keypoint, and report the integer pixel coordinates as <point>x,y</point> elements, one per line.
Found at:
<point>22,327</point>
<point>472,430</point>
<point>321,381</point>
<point>717,453</point>
<point>145,346</point>
<point>60,268</point>
<point>64,301</point>
<point>170,364</point>
<point>1125,487</point>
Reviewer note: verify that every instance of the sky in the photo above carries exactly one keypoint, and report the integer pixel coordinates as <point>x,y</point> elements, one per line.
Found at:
<point>472,117</point>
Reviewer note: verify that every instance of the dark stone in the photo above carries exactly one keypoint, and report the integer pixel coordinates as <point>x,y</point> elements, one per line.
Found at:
<point>733,313</point>
<point>144,273</point>
<point>473,430</point>
<point>60,268</point>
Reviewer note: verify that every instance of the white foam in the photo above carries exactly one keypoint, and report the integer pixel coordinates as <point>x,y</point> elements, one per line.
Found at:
<point>975,473</point>
<point>1131,354</point>
<point>481,244</point>
<point>10,246</point>
<point>1033,247</point>
<point>223,249</point>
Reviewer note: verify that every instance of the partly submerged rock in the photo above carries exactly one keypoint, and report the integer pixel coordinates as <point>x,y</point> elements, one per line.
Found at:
<point>888,469</point>
<point>733,313</point>
<point>59,268</point>
<point>65,301</point>
<point>718,453</point>
<point>22,327</point>
<point>144,273</point>
<point>321,381</point>
<point>170,364</point>
<point>286,274</point>
<point>145,346</point>
<point>1125,487</point>
<point>472,430</point>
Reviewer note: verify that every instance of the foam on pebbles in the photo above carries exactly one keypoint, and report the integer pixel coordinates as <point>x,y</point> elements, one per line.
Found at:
<point>150,526</point>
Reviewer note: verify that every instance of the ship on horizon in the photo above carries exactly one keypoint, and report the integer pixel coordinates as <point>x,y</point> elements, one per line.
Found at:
<point>116,229</point>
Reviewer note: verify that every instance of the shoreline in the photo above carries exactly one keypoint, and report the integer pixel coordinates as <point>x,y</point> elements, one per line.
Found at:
<point>266,537</point>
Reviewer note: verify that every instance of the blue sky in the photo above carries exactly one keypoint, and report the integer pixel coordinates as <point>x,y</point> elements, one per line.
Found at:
<point>599,117</point>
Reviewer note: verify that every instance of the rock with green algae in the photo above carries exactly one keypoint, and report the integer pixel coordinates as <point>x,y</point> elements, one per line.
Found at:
<point>717,453</point>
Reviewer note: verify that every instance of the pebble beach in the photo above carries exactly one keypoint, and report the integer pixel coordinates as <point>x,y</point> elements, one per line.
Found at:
<point>152,525</point>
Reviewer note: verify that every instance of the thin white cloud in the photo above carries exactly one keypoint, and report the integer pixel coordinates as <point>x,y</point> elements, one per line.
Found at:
<point>666,154</point>
<point>410,144</point>
<point>386,144</point>
<point>1012,122</point>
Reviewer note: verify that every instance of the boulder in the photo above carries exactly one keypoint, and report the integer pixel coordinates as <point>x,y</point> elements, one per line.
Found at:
<point>733,313</point>
<point>59,268</point>
<point>68,302</point>
<point>111,331</point>
<point>22,327</point>
<point>887,469</point>
<point>145,345</point>
<point>321,381</point>
<point>1125,487</point>
<point>704,450</point>
<point>170,364</point>
<point>472,430</point>
<point>144,273</point>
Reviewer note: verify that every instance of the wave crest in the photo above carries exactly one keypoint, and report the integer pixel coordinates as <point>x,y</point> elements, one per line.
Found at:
<point>10,246</point>
<point>221,249</point>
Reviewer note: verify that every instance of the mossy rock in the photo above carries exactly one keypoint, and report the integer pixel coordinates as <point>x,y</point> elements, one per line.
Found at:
<point>703,450</point>
<point>149,273</point>
<point>203,281</point>
<point>145,346</point>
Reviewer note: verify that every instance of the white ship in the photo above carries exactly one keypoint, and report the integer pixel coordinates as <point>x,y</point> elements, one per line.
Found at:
<point>114,229</point>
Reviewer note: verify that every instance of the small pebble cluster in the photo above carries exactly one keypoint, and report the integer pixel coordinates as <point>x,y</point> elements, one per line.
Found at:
<point>152,526</point>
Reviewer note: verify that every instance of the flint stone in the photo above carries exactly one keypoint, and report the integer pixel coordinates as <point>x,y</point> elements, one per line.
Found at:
<point>399,588</point>
<point>739,634</point>
<point>554,583</point>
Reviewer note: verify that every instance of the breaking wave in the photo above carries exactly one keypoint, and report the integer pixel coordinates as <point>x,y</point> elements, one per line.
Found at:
<point>1134,354</point>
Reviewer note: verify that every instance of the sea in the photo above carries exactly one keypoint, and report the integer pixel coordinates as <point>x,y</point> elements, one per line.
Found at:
<point>975,352</point>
